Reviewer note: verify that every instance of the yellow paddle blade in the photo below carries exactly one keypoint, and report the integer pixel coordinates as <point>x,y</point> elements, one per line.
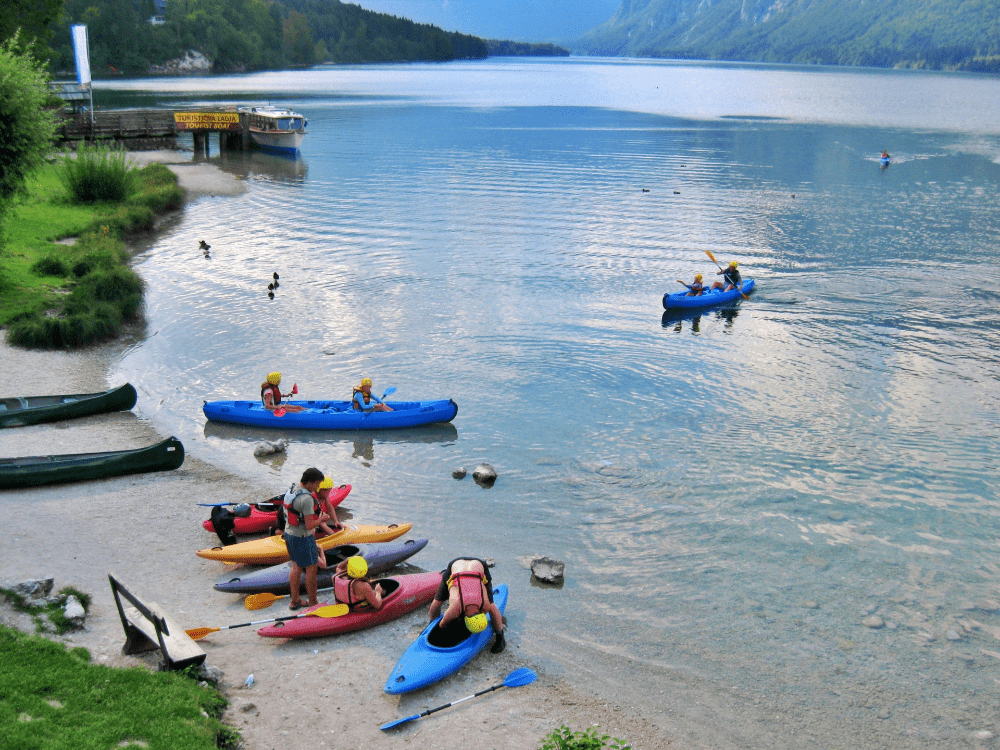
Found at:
<point>198,633</point>
<point>262,601</point>
<point>330,610</point>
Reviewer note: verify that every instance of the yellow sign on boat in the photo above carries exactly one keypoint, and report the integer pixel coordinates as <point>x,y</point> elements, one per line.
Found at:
<point>207,120</point>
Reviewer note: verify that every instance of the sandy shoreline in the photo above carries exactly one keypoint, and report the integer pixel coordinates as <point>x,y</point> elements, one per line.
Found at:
<point>324,692</point>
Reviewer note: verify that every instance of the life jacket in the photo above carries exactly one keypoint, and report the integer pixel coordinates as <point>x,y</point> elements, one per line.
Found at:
<point>470,588</point>
<point>294,518</point>
<point>343,591</point>
<point>354,398</point>
<point>275,393</point>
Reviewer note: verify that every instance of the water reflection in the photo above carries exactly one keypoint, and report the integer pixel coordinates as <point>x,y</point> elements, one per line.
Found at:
<point>257,165</point>
<point>363,441</point>
<point>675,318</point>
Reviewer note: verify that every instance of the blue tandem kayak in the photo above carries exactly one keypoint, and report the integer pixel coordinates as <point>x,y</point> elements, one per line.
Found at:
<point>439,652</point>
<point>332,415</point>
<point>681,300</point>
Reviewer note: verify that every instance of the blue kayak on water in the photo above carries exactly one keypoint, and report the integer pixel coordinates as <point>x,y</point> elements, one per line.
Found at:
<point>681,300</point>
<point>332,415</point>
<point>439,652</point>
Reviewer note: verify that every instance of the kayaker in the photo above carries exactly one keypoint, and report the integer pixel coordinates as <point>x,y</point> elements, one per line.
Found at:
<point>351,585</point>
<point>885,154</point>
<point>271,395</point>
<point>731,277</point>
<point>467,586</point>
<point>696,288</point>
<point>304,515</point>
<point>323,495</point>
<point>365,401</point>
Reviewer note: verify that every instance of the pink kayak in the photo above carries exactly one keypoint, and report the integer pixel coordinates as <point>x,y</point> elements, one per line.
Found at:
<point>402,594</point>
<point>263,516</point>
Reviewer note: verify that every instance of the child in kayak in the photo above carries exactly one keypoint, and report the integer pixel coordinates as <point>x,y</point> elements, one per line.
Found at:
<point>468,588</point>
<point>363,400</point>
<point>271,395</point>
<point>351,585</point>
<point>696,288</point>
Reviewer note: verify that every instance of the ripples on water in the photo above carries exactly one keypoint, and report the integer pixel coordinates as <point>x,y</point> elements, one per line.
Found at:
<point>733,492</point>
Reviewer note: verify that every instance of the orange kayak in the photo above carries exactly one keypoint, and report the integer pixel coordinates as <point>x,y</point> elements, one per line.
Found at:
<point>272,550</point>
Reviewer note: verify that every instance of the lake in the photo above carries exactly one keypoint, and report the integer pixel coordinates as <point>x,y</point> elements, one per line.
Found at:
<point>779,520</point>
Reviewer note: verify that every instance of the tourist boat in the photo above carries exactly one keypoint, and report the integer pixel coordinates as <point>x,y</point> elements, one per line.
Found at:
<point>274,129</point>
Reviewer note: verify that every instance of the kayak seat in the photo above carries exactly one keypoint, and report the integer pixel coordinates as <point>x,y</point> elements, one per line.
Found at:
<point>449,636</point>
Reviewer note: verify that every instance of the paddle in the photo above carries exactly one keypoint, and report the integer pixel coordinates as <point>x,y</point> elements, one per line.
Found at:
<point>331,610</point>
<point>709,254</point>
<point>281,411</point>
<point>388,392</point>
<point>276,500</point>
<point>263,601</point>
<point>517,678</point>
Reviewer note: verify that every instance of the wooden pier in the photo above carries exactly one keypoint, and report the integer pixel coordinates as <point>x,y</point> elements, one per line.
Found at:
<point>150,129</point>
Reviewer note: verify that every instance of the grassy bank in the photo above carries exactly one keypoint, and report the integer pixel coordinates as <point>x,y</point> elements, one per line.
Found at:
<point>61,295</point>
<point>51,697</point>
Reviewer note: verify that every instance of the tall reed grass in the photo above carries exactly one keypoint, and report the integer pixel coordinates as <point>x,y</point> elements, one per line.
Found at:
<point>98,173</point>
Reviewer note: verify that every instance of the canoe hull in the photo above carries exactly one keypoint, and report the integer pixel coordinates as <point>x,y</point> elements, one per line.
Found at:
<point>18,412</point>
<point>332,415</point>
<point>274,580</point>
<point>33,471</point>
<point>681,301</point>
<point>423,664</point>
<point>272,550</point>
<point>412,592</point>
<point>262,520</point>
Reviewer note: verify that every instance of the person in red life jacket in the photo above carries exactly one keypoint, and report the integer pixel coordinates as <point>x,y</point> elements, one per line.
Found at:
<point>351,585</point>
<point>302,509</point>
<point>467,586</point>
<point>363,400</point>
<point>323,495</point>
<point>271,395</point>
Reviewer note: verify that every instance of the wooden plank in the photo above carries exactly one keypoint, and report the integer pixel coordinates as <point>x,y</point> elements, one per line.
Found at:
<point>181,650</point>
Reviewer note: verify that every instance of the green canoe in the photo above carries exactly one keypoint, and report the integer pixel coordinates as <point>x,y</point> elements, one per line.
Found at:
<point>77,467</point>
<point>17,412</point>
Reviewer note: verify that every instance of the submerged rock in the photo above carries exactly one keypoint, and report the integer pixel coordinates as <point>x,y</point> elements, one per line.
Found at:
<point>267,449</point>
<point>459,473</point>
<point>547,570</point>
<point>485,475</point>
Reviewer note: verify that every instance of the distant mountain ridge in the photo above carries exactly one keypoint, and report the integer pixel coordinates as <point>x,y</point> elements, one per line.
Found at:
<point>939,34</point>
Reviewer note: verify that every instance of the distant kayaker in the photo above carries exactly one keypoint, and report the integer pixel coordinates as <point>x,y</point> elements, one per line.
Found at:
<point>467,586</point>
<point>365,401</point>
<point>731,277</point>
<point>696,288</point>
<point>885,154</point>
<point>271,395</point>
<point>304,515</point>
<point>323,495</point>
<point>351,585</point>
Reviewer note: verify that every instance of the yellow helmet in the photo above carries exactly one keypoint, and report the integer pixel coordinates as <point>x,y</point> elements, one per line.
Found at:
<point>477,623</point>
<point>366,381</point>
<point>357,567</point>
<point>326,484</point>
<point>697,277</point>
<point>733,263</point>
<point>274,378</point>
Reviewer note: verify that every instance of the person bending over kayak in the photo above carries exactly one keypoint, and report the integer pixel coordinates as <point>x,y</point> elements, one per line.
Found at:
<point>696,288</point>
<point>365,401</point>
<point>271,395</point>
<point>323,495</point>
<point>468,588</point>
<point>304,516</point>
<point>730,276</point>
<point>351,585</point>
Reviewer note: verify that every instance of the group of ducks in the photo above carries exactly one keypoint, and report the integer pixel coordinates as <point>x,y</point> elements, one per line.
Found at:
<point>205,247</point>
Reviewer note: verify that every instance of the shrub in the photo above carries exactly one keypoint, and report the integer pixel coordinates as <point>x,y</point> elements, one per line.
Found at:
<point>130,218</point>
<point>98,173</point>
<point>50,265</point>
<point>160,198</point>
<point>566,739</point>
<point>120,287</point>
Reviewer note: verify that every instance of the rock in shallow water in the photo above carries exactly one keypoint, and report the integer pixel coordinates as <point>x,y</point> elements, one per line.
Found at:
<point>459,473</point>
<point>547,570</point>
<point>874,622</point>
<point>267,449</point>
<point>485,475</point>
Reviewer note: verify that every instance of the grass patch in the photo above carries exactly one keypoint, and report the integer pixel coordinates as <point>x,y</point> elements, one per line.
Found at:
<point>98,173</point>
<point>566,739</point>
<point>62,296</point>
<point>51,698</point>
<point>48,616</point>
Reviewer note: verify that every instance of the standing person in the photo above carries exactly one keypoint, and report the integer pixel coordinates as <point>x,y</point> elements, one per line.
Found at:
<point>271,395</point>
<point>363,400</point>
<point>352,587</point>
<point>467,586</point>
<point>323,495</point>
<point>730,276</point>
<point>304,516</point>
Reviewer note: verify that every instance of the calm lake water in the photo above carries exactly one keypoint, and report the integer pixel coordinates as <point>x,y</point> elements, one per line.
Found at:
<point>733,493</point>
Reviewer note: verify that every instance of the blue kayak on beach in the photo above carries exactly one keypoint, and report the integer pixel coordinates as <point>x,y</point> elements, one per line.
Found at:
<point>439,652</point>
<point>681,300</point>
<point>332,415</point>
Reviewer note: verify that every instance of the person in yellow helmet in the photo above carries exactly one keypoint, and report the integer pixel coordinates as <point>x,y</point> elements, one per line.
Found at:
<point>271,395</point>
<point>467,586</point>
<point>696,287</point>
<point>352,587</point>
<point>333,524</point>
<point>363,400</point>
<point>731,277</point>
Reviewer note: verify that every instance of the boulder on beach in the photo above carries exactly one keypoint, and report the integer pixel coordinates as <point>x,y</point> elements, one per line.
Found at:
<point>34,588</point>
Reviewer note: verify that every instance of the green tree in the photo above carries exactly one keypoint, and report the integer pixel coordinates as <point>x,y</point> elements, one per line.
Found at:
<point>33,18</point>
<point>26,126</point>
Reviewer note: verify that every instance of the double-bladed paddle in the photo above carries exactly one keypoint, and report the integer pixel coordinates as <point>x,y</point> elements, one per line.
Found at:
<point>517,678</point>
<point>738,289</point>
<point>263,601</point>
<point>331,610</point>
<point>276,500</point>
<point>388,392</point>
<point>281,411</point>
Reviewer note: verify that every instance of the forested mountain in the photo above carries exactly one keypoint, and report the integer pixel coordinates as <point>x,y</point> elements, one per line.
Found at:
<point>947,34</point>
<point>243,35</point>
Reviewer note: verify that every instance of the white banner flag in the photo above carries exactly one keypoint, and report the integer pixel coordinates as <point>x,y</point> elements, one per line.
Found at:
<point>82,54</point>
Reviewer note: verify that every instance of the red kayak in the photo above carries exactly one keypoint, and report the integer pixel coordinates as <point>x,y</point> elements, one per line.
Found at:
<point>402,594</point>
<point>263,516</point>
